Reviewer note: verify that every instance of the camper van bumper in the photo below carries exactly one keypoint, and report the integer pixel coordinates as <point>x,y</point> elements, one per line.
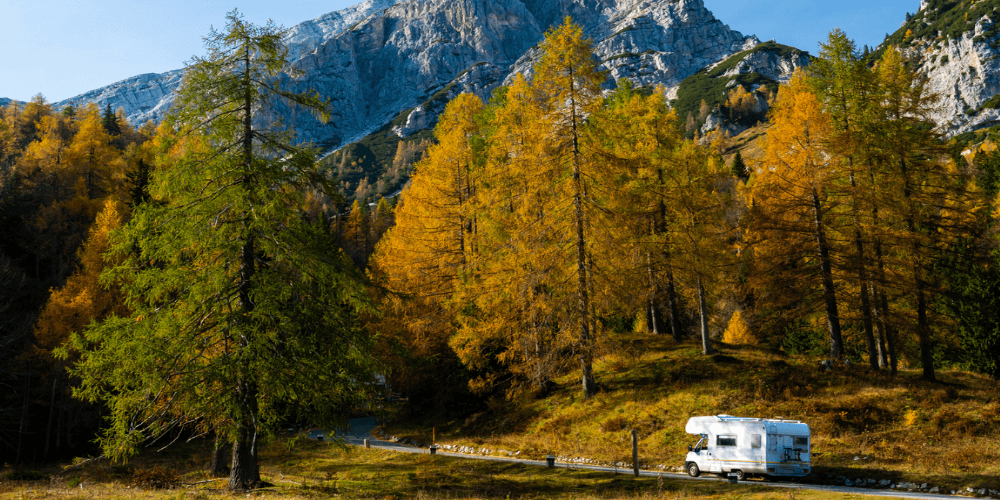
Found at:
<point>788,470</point>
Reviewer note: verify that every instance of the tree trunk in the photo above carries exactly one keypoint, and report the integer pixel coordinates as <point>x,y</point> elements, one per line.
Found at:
<point>220,458</point>
<point>706,342</point>
<point>882,302</point>
<point>923,327</point>
<point>245,473</point>
<point>675,322</point>
<point>24,412</point>
<point>586,342</point>
<point>880,326</point>
<point>924,334</point>
<point>653,312</point>
<point>859,246</point>
<point>52,409</point>
<point>829,293</point>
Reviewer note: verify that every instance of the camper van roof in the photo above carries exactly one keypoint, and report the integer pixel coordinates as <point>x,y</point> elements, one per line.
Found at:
<point>730,418</point>
<point>698,425</point>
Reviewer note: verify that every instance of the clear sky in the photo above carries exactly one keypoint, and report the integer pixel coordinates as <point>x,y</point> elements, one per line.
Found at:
<point>63,48</point>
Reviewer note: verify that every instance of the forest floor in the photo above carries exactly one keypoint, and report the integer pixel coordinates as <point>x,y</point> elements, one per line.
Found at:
<point>866,425</point>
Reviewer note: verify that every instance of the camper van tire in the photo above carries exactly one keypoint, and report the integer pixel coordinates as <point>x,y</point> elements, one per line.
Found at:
<point>693,469</point>
<point>740,475</point>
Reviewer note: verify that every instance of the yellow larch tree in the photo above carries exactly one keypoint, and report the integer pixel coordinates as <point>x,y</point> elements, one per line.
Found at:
<point>793,201</point>
<point>422,259</point>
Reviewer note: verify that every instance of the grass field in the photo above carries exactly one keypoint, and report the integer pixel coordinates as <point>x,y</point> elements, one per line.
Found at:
<point>303,469</point>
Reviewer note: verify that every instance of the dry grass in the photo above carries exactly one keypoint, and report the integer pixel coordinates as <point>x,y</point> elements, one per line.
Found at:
<point>901,429</point>
<point>311,470</point>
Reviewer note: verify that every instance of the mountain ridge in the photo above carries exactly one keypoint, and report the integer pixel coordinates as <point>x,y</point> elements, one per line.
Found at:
<point>381,57</point>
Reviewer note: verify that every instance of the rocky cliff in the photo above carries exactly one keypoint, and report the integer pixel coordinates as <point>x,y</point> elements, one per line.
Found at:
<point>381,58</point>
<point>956,45</point>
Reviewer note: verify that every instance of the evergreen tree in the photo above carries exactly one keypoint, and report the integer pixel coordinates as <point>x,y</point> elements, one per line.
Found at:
<point>248,309</point>
<point>110,122</point>
<point>739,168</point>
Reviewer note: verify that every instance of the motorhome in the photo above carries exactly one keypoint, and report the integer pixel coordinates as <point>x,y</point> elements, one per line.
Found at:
<point>748,447</point>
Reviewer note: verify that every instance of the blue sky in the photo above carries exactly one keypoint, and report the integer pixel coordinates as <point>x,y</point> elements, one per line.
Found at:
<point>62,48</point>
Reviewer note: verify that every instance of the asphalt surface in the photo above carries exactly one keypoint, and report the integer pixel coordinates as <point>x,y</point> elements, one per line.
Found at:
<point>361,429</point>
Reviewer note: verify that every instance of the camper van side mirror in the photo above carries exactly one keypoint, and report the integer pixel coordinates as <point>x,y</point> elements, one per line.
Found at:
<point>690,448</point>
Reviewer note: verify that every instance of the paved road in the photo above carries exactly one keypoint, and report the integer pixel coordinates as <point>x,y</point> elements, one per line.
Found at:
<point>361,429</point>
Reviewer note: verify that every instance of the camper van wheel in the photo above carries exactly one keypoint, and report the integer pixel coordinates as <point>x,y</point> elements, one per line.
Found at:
<point>693,469</point>
<point>740,475</point>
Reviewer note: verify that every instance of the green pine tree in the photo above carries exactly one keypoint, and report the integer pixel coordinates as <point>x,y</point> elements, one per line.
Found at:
<point>110,122</point>
<point>739,168</point>
<point>244,310</point>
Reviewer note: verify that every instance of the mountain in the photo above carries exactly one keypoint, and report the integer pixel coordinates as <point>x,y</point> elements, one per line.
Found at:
<point>388,67</point>
<point>382,57</point>
<point>956,45</point>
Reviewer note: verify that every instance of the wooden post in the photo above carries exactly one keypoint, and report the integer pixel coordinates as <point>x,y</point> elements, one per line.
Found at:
<point>434,433</point>
<point>635,453</point>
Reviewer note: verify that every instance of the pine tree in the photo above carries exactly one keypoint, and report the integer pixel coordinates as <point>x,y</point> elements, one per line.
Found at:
<point>739,168</point>
<point>110,122</point>
<point>242,307</point>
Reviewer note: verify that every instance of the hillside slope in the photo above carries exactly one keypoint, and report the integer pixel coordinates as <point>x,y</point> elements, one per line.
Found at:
<point>868,426</point>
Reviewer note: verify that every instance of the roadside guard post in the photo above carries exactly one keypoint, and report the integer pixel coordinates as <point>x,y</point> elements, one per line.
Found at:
<point>550,461</point>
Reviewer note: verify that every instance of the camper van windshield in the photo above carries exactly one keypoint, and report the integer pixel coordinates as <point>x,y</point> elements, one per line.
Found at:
<point>801,441</point>
<point>697,446</point>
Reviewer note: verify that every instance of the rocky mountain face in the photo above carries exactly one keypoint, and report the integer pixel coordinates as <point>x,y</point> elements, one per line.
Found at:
<point>388,59</point>
<point>956,45</point>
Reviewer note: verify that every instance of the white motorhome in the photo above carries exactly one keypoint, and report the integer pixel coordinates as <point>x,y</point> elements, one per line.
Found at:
<point>748,447</point>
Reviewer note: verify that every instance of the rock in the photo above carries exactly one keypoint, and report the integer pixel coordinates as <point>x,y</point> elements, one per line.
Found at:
<point>936,489</point>
<point>380,58</point>
<point>884,482</point>
<point>965,73</point>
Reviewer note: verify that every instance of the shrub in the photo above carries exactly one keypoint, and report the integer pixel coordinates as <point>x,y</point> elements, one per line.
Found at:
<point>738,333</point>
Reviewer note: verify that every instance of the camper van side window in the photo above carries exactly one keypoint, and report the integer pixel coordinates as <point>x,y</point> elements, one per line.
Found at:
<point>726,440</point>
<point>801,441</point>
<point>755,440</point>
